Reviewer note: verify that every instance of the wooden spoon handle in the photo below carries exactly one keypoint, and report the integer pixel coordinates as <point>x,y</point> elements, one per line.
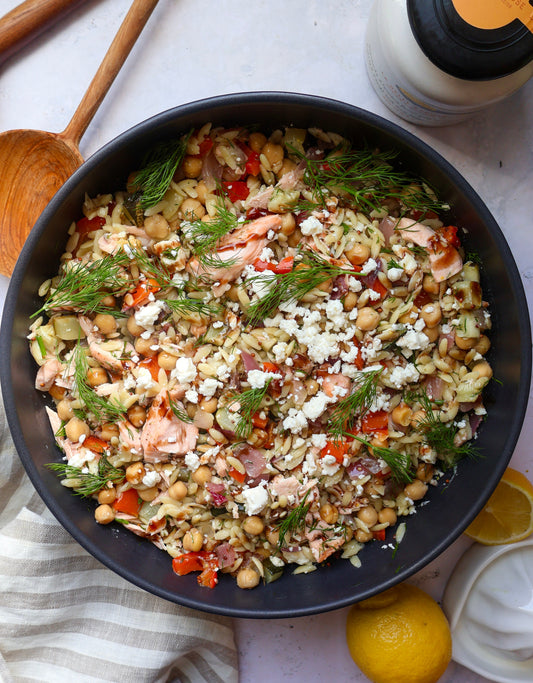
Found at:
<point>28,20</point>
<point>129,31</point>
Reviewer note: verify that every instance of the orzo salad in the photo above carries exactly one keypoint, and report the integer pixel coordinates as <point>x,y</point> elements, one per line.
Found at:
<point>262,351</point>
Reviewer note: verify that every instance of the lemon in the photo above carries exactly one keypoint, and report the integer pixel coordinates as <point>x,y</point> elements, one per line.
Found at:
<point>508,515</point>
<point>399,636</point>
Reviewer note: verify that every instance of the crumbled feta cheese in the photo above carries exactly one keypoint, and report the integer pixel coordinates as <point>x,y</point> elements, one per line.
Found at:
<point>144,380</point>
<point>191,395</point>
<point>295,421</point>
<point>255,499</point>
<point>257,378</point>
<point>319,440</point>
<point>311,226</point>
<point>399,376</point>
<point>148,314</point>
<point>266,255</point>
<point>184,371</point>
<point>151,478</point>
<point>209,386</point>
<point>192,460</point>
<point>329,465</point>
<point>413,340</point>
<point>354,285</point>
<point>394,274</point>
<point>316,405</point>
<point>369,267</point>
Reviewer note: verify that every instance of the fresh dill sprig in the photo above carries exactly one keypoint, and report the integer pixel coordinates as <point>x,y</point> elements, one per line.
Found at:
<point>89,483</point>
<point>203,236</point>
<point>83,286</point>
<point>367,178</point>
<point>399,463</point>
<point>184,304</point>
<point>150,268</point>
<point>310,270</point>
<point>158,169</point>
<point>102,409</point>
<point>249,403</point>
<point>180,414</point>
<point>294,521</point>
<point>441,435</point>
<point>356,404</point>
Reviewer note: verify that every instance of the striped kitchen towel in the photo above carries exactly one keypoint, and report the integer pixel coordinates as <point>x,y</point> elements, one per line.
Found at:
<point>64,617</point>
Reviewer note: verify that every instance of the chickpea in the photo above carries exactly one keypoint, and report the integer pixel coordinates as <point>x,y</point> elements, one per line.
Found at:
<point>431,314</point>
<point>465,343</point>
<point>416,490</point>
<point>133,328</point>
<point>109,301</point>
<point>104,514</point>
<point>410,317</point>
<point>135,473</point>
<point>367,319</point>
<point>257,141</point>
<point>482,369</point>
<point>157,227</point>
<point>368,515</point>
<point>96,376</point>
<point>272,536</point>
<point>64,409</point>
<point>192,166</point>
<point>350,301</point>
<point>192,209</point>
<point>202,475</point>
<point>137,415</point>
<point>166,360</point>
<point>417,417</point>
<point>202,191</point>
<point>108,431</point>
<point>295,238</point>
<point>193,540</point>
<point>288,224</point>
<point>247,578</point>
<point>274,153</point>
<point>209,405</point>
<point>363,536</point>
<point>358,254</point>
<point>178,490</point>
<point>329,513</point>
<point>425,472</point>
<point>430,285</point>
<point>402,414</point>
<point>432,333</point>
<point>387,516</point>
<point>286,167</point>
<point>106,323</point>
<point>76,428</point>
<point>325,286</point>
<point>107,496</point>
<point>483,345</point>
<point>144,347</point>
<point>253,525</point>
<point>148,494</point>
<point>58,393</point>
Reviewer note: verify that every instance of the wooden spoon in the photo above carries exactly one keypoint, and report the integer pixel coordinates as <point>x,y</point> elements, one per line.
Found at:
<point>28,20</point>
<point>34,164</point>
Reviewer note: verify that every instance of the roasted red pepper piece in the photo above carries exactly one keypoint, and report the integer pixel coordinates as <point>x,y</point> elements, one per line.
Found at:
<point>201,561</point>
<point>142,292</point>
<point>129,502</point>
<point>337,449</point>
<point>375,422</point>
<point>236,189</point>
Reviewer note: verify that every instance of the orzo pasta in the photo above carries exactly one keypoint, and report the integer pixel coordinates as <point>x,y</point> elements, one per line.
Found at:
<point>262,351</point>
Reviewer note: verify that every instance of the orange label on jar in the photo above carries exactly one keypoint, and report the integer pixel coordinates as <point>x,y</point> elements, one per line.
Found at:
<point>489,14</point>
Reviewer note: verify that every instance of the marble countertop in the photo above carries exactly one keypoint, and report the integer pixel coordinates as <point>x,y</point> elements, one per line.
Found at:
<point>191,50</point>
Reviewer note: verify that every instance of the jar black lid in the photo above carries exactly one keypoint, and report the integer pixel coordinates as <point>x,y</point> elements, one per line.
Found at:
<point>465,51</point>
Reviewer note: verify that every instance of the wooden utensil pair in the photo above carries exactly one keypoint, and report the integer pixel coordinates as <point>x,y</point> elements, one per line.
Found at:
<point>34,163</point>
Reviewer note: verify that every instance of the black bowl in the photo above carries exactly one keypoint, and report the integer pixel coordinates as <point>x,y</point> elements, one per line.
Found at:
<point>452,505</point>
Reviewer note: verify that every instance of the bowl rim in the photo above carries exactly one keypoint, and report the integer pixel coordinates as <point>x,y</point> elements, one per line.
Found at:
<point>196,107</point>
